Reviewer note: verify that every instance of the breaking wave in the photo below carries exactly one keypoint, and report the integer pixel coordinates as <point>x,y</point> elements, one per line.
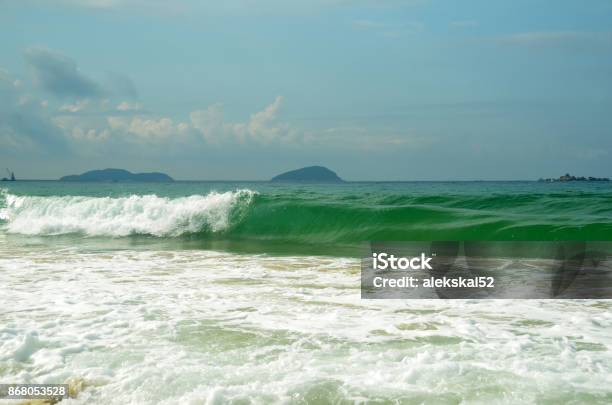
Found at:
<point>123,216</point>
<point>298,217</point>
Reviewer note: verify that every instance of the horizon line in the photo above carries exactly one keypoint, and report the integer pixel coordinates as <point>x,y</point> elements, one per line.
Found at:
<point>296,182</point>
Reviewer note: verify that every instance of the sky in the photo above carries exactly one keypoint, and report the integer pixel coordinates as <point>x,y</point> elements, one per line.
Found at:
<point>245,89</point>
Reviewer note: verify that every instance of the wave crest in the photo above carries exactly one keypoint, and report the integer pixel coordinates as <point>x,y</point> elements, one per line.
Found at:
<point>123,216</point>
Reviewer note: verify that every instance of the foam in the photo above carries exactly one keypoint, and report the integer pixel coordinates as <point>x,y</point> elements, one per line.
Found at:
<point>122,216</point>
<point>173,326</point>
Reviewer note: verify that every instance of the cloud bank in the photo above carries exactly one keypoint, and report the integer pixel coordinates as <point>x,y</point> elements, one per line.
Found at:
<point>59,75</point>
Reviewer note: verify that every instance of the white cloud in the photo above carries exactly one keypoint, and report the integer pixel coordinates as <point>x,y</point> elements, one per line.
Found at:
<point>151,129</point>
<point>79,128</point>
<point>262,127</point>
<point>80,105</point>
<point>90,134</point>
<point>210,123</point>
<point>88,123</point>
<point>127,106</point>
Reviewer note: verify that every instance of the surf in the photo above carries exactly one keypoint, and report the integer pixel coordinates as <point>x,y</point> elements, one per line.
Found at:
<point>314,216</point>
<point>123,216</point>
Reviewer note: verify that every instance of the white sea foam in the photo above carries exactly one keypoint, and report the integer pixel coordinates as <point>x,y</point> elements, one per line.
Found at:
<point>203,327</point>
<point>121,216</point>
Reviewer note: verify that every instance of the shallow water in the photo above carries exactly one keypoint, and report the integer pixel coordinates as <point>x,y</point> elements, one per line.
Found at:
<point>189,326</point>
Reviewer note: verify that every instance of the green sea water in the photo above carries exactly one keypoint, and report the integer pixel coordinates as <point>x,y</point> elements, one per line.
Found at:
<point>262,216</point>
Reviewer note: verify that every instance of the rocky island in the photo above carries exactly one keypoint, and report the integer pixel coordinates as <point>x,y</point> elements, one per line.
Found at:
<point>311,174</point>
<point>118,176</point>
<point>568,177</point>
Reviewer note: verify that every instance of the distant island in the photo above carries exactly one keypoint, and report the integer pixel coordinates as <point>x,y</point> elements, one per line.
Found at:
<point>311,174</point>
<point>568,177</point>
<point>117,176</point>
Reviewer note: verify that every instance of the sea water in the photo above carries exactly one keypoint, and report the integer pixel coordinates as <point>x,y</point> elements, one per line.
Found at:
<point>195,292</point>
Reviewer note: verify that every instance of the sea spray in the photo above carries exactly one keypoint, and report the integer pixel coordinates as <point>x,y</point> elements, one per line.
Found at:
<point>123,216</point>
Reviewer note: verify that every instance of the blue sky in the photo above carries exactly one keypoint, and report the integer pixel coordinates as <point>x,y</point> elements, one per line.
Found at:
<point>375,90</point>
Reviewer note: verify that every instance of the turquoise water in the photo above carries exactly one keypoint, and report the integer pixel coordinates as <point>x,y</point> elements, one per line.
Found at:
<point>264,215</point>
<point>213,293</point>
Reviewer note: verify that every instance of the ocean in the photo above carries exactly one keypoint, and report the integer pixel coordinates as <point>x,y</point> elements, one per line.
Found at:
<point>247,292</point>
